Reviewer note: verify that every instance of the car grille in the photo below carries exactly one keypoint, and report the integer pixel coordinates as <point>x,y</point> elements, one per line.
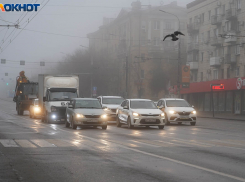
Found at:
<point>92,116</point>
<point>142,121</point>
<point>114,110</point>
<point>150,114</point>
<point>61,111</point>
<point>184,113</point>
<point>91,123</point>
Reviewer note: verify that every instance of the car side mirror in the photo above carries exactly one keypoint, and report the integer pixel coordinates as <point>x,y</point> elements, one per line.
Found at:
<point>161,107</point>
<point>70,106</point>
<point>104,107</point>
<point>44,99</point>
<point>125,107</point>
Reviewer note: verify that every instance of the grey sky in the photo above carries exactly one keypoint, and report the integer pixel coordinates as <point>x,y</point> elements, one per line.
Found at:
<point>57,18</point>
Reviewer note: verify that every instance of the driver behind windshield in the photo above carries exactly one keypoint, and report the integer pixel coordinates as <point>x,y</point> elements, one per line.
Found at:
<point>88,104</point>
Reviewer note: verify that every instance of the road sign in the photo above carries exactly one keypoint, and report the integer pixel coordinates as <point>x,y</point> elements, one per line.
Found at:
<point>185,76</point>
<point>22,62</point>
<point>94,91</point>
<point>185,85</point>
<point>42,63</point>
<point>3,61</point>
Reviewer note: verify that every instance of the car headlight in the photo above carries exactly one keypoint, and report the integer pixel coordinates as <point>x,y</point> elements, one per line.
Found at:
<point>172,112</point>
<point>162,115</point>
<point>104,116</point>
<point>53,109</point>
<point>135,114</point>
<point>37,109</point>
<point>193,112</point>
<point>79,116</point>
<point>106,109</point>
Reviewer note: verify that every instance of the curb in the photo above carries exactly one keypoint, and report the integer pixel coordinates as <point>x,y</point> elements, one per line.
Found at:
<point>234,119</point>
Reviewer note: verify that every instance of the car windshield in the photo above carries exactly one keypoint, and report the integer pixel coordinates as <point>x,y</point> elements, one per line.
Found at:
<point>36,102</point>
<point>115,101</point>
<point>57,96</point>
<point>88,104</point>
<point>177,103</point>
<point>143,105</point>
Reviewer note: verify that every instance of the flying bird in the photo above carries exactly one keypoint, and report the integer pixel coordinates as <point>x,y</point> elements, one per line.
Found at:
<point>178,33</point>
<point>174,38</point>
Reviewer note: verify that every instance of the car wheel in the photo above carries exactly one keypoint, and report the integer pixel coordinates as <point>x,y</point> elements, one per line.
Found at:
<point>118,122</point>
<point>147,126</point>
<point>47,120</point>
<point>160,127</point>
<point>179,123</point>
<point>104,127</point>
<point>73,126</point>
<point>30,114</point>
<point>166,120</point>
<point>94,127</point>
<point>193,123</point>
<point>21,112</point>
<point>130,126</point>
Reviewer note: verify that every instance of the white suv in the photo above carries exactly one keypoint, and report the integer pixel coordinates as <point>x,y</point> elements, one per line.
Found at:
<point>110,105</point>
<point>177,110</point>
<point>139,112</point>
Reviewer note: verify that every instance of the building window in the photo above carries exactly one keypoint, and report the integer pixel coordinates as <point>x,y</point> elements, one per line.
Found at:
<point>222,73</point>
<point>237,71</point>
<point>142,74</point>
<point>228,73</point>
<point>208,35</point>
<point>238,3</point>
<point>223,9</point>
<point>215,74</point>
<point>237,49</point>
<point>202,37</point>
<point>168,25</point>
<point>194,76</point>
<point>209,15</point>
<point>202,18</point>
<point>157,25</point>
<point>201,76</point>
<point>156,41</point>
<point>202,55</point>
<point>222,101</point>
<point>142,57</point>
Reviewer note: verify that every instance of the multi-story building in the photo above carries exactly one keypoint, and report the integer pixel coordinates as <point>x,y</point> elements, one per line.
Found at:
<point>216,54</point>
<point>134,41</point>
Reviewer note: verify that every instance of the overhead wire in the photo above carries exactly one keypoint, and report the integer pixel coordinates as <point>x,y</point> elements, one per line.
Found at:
<point>24,27</point>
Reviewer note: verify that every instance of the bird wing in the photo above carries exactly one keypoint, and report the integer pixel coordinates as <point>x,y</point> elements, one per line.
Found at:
<point>167,36</point>
<point>178,33</point>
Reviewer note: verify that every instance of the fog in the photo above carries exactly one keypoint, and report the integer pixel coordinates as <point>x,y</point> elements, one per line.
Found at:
<point>39,41</point>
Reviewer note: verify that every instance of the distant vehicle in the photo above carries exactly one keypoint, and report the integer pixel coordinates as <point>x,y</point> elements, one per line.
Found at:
<point>35,109</point>
<point>111,103</point>
<point>85,112</point>
<point>139,112</point>
<point>25,92</point>
<point>55,92</point>
<point>177,110</point>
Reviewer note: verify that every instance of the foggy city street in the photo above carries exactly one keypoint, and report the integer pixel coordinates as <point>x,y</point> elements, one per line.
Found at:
<point>122,90</point>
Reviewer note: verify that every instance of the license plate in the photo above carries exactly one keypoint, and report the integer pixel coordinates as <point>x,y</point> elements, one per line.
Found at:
<point>184,117</point>
<point>150,120</point>
<point>93,121</point>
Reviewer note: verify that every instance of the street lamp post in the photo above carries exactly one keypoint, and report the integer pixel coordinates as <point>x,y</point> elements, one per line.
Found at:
<point>179,61</point>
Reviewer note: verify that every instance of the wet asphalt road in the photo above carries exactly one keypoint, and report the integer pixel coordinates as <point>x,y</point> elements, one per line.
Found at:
<point>213,150</point>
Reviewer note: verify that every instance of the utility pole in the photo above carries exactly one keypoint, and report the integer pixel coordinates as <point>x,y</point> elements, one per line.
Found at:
<point>126,94</point>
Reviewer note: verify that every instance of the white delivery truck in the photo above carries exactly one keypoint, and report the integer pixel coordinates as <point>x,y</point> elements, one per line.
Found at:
<point>55,92</point>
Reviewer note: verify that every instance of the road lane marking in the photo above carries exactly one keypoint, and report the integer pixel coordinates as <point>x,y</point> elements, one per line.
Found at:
<point>60,143</point>
<point>8,143</point>
<point>43,143</point>
<point>189,143</point>
<point>155,143</point>
<point>178,162</point>
<point>144,143</point>
<point>25,144</point>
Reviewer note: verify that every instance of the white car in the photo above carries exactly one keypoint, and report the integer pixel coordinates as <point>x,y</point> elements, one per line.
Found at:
<point>177,110</point>
<point>110,105</point>
<point>139,112</point>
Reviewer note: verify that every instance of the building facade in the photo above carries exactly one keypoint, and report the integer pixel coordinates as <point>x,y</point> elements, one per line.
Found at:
<point>216,55</point>
<point>147,65</point>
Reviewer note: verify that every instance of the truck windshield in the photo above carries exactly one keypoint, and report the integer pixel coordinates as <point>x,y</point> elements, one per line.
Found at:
<point>88,104</point>
<point>57,96</point>
<point>116,101</point>
<point>30,89</point>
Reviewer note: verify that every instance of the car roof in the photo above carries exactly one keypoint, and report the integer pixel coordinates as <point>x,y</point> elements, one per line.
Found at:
<point>172,99</point>
<point>111,96</point>
<point>139,99</point>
